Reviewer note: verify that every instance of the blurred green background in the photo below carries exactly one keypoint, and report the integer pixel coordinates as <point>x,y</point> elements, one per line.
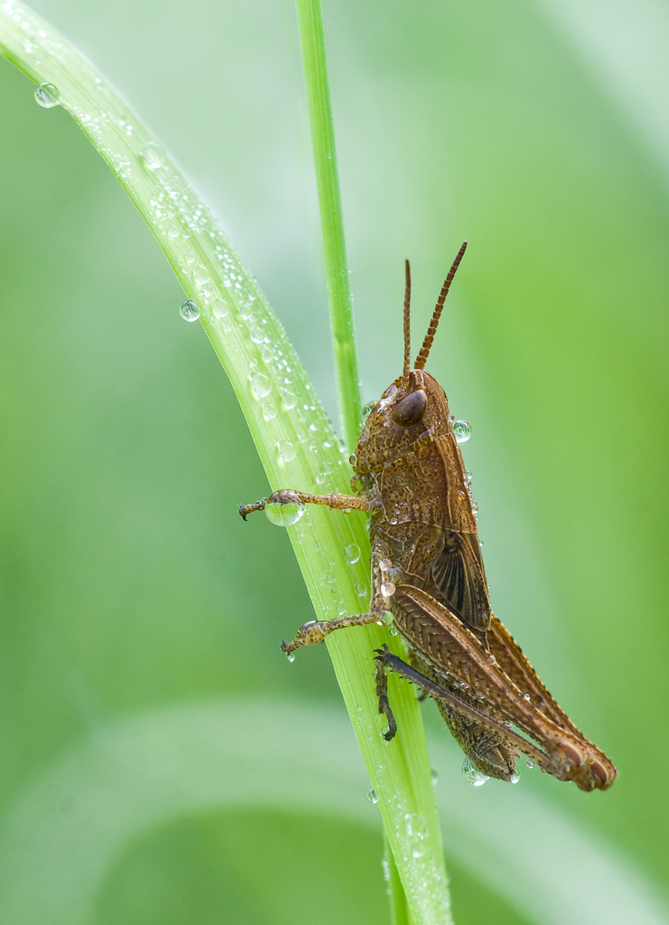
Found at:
<point>129,586</point>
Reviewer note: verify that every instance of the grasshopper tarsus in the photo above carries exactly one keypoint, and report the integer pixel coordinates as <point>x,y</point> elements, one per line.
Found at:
<point>246,509</point>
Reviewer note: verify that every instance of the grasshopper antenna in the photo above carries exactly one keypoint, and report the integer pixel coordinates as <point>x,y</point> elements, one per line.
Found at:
<point>407,323</point>
<point>421,359</point>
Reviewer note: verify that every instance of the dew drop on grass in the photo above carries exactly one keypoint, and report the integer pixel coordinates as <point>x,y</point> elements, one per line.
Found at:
<point>47,95</point>
<point>261,385</point>
<point>221,308</point>
<point>268,409</point>
<point>284,515</point>
<point>153,155</point>
<point>352,553</point>
<point>287,451</point>
<point>462,431</point>
<point>472,774</point>
<point>372,796</point>
<point>201,275</point>
<point>190,311</point>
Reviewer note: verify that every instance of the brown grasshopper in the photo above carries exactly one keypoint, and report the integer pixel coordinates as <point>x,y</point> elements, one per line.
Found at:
<point>427,570</point>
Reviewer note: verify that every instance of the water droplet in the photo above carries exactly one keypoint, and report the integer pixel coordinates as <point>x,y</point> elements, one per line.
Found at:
<point>462,431</point>
<point>201,275</point>
<point>284,515</point>
<point>411,824</point>
<point>526,697</point>
<point>530,763</point>
<point>434,775</point>
<point>387,589</point>
<point>287,451</point>
<point>472,774</point>
<point>352,553</point>
<point>221,308</point>
<point>289,399</point>
<point>153,154</point>
<point>372,796</point>
<point>268,409</point>
<point>515,777</point>
<point>366,409</point>
<point>47,95</point>
<point>418,852</point>
<point>384,618</point>
<point>352,459</point>
<point>261,385</point>
<point>189,310</point>
<point>173,231</point>
<point>360,589</point>
<point>290,656</point>
<point>386,869</point>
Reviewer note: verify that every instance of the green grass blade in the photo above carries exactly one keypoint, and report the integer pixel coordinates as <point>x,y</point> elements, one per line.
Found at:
<point>291,432</point>
<point>312,42</point>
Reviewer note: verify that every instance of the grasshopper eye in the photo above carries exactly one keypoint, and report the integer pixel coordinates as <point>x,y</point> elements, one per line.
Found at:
<point>410,410</point>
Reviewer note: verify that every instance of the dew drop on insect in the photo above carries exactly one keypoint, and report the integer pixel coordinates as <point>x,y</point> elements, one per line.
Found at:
<point>530,763</point>
<point>153,155</point>
<point>372,796</point>
<point>352,459</point>
<point>384,618</point>
<point>290,656</point>
<point>352,553</point>
<point>261,385</point>
<point>189,310</point>
<point>366,409</point>
<point>287,451</point>
<point>221,308</point>
<point>472,774</point>
<point>462,431</point>
<point>284,515</point>
<point>515,777</point>
<point>526,697</point>
<point>387,589</point>
<point>47,95</point>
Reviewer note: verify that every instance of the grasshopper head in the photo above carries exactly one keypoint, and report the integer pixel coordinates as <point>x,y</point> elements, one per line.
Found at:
<point>413,410</point>
<point>411,413</point>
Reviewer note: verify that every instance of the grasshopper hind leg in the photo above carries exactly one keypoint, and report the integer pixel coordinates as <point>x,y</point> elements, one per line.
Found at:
<point>487,746</point>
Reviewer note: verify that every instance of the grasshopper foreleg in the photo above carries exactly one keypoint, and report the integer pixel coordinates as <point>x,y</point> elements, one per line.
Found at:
<point>335,501</point>
<point>317,630</point>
